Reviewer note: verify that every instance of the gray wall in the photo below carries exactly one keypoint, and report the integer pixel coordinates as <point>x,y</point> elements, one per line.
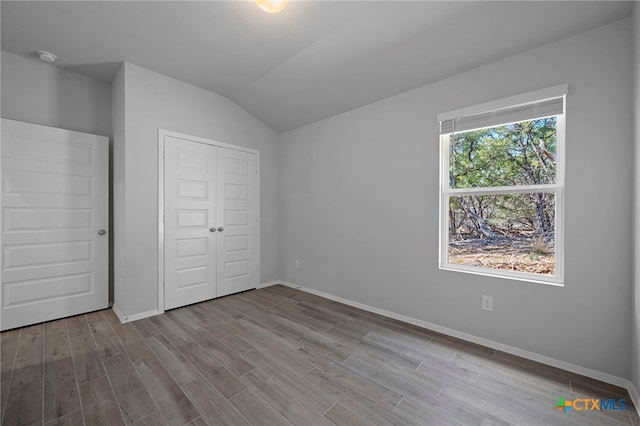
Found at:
<point>117,183</point>
<point>635,322</point>
<point>40,93</point>
<point>359,206</point>
<point>153,101</point>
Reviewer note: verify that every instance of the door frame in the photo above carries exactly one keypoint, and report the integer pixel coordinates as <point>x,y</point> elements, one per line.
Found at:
<point>162,133</point>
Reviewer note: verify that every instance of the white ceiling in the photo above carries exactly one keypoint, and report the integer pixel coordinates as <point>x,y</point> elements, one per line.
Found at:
<point>314,60</point>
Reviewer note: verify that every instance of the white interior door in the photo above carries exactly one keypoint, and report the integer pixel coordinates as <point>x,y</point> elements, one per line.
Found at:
<point>55,215</point>
<point>190,222</point>
<point>238,207</point>
<point>211,220</point>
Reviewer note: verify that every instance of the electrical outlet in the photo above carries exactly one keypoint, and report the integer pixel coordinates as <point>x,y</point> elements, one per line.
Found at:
<point>487,303</point>
<point>297,264</point>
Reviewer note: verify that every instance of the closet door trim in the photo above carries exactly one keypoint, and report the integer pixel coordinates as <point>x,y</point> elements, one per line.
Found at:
<point>162,134</point>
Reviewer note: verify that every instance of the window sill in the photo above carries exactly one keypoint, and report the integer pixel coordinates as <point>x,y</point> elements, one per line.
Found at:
<point>495,273</point>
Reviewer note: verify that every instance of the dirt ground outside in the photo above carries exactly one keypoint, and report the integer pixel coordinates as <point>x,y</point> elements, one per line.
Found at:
<point>511,254</point>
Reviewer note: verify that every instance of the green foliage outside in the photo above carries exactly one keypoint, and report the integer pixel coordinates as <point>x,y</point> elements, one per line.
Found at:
<point>515,154</point>
<point>518,154</point>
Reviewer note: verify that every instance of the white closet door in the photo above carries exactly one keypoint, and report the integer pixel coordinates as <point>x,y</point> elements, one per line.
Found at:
<point>238,250</point>
<point>190,222</point>
<point>55,215</point>
<point>211,220</point>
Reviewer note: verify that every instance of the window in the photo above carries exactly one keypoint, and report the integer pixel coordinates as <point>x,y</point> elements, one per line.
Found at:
<point>501,187</point>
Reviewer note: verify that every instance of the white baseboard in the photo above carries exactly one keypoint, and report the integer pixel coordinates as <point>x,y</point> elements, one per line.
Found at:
<point>268,284</point>
<point>128,318</point>
<point>635,396</point>
<point>594,374</point>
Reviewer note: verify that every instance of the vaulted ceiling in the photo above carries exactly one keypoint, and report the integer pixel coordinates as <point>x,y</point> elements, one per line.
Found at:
<point>314,60</point>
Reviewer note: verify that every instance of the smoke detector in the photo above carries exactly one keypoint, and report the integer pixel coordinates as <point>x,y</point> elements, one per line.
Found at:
<point>47,56</point>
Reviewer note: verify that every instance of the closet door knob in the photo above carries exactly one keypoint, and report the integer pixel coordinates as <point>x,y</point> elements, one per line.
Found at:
<point>220,229</point>
<point>212,229</point>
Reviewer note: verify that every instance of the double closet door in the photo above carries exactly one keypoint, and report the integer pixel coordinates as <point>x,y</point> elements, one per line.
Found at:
<point>211,221</point>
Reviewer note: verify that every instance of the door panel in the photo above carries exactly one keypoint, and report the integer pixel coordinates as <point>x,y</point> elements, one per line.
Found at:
<point>54,202</point>
<point>20,219</point>
<point>238,204</point>
<point>22,293</point>
<point>190,210</point>
<point>41,255</point>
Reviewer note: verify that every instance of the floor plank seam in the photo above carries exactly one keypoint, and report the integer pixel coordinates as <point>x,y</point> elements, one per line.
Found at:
<point>10,385</point>
<point>44,339</point>
<point>398,403</point>
<point>155,403</point>
<point>106,374</point>
<point>329,409</point>
<point>75,375</point>
<point>133,364</point>
<point>630,418</point>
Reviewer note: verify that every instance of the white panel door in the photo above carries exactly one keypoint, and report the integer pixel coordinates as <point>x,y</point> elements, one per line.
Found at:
<point>55,216</point>
<point>211,220</point>
<point>190,222</point>
<point>238,252</point>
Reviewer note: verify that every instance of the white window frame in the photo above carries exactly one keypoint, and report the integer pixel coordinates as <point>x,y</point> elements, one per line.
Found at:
<point>554,92</point>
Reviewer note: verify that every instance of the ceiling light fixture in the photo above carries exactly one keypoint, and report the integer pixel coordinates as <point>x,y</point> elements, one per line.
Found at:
<point>272,6</point>
<point>47,56</point>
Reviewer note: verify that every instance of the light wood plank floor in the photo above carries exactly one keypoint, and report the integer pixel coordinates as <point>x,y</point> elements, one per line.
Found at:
<point>277,356</point>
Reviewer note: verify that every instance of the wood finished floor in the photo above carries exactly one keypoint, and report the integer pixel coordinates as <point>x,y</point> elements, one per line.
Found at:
<point>277,356</point>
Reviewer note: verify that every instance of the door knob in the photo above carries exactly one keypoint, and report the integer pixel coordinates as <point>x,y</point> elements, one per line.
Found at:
<point>212,229</point>
<point>220,229</point>
<point>102,232</point>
